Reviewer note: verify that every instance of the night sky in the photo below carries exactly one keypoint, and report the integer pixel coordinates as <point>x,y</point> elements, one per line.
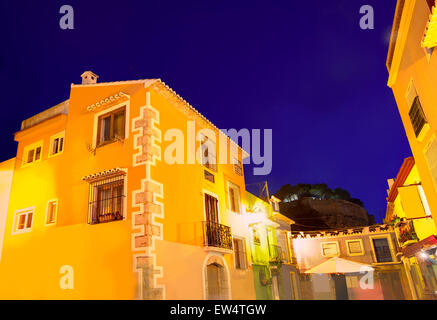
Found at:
<point>302,68</point>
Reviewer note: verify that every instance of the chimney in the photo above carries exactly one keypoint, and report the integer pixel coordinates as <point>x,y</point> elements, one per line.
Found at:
<point>89,77</point>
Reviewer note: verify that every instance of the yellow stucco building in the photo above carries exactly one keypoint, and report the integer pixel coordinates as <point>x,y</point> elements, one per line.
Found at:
<point>412,66</point>
<point>103,205</point>
<point>412,201</point>
<point>408,211</point>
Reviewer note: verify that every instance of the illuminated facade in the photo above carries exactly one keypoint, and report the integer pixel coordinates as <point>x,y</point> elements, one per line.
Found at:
<point>96,213</point>
<point>274,269</point>
<point>412,66</point>
<point>408,211</point>
<point>359,263</point>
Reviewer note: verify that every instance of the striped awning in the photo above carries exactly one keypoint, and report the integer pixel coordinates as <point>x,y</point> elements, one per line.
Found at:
<point>430,39</point>
<point>104,174</point>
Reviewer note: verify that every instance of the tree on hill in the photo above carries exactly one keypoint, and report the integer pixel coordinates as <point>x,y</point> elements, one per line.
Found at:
<point>288,193</point>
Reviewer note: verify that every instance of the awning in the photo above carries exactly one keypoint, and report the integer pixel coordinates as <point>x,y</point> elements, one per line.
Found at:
<point>414,248</point>
<point>339,265</point>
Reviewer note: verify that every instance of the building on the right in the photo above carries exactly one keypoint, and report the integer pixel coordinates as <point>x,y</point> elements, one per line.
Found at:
<point>408,211</point>
<point>412,66</point>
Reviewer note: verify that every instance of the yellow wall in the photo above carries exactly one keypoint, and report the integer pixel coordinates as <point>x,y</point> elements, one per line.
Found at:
<point>423,227</point>
<point>410,62</point>
<point>102,255</point>
<point>6,174</point>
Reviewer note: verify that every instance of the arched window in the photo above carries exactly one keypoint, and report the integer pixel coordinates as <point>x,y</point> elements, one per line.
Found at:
<point>216,280</point>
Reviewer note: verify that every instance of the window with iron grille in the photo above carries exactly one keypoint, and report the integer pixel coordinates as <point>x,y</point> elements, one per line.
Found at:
<point>417,117</point>
<point>382,250</point>
<point>106,200</point>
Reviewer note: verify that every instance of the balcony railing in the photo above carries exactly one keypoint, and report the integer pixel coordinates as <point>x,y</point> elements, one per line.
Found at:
<point>407,233</point>
<point>275,253</point>
<point>217,235</point>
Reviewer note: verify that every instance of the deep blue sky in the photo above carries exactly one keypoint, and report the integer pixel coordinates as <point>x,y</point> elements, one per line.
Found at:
<point>302,68</point>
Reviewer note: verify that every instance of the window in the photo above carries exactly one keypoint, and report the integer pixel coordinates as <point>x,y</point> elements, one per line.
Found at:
<point>32,153</point>
<point>234,197</point>
<point>208,149</point>
<point>106,200</point>
<point>57,144</point>
<point>239,254</point>
<point>238,167</point>
<point>52,207</point>
<point>208,176</point>
<point>355,247</point>
<point>111,126</point>
<point>382,251</point>
<point>23,221</point>
<point>417,117</point>
<point>329,249</point>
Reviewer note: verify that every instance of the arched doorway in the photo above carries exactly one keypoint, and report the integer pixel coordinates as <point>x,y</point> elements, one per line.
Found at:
<point>216,280</point>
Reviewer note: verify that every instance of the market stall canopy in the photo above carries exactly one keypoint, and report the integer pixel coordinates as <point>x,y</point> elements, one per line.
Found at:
<point>339,265</point>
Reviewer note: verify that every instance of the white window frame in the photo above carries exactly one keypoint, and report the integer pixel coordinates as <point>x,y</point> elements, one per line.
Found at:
<point>52,140</point>
<point>19,213</point>
<point>204,191</point>
<point>46,223</point>
<point>355,254</point>
<point>237,188</point>
<point>330,242</point>
<point>29,148</point>
<point>97,115</point>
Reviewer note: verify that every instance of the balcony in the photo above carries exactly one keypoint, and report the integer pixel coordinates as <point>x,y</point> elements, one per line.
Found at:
<point>406,233</point>
<point>275,253</point>
<point>217,235</point>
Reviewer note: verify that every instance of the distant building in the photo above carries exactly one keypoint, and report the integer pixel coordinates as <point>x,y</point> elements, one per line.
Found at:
<point>274,267</point>
<point>356,264</point>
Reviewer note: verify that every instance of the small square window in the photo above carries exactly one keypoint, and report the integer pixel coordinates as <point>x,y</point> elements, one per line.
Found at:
<point>57,144</point>
<point>32,153</point>
<point>330,249</point>
<point>23,221</point>
<point>111,126</point>
<point>354,247</point>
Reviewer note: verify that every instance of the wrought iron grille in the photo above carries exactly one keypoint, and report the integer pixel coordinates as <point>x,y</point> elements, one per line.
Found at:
<point>106,200</point>
<point>217,235</point>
